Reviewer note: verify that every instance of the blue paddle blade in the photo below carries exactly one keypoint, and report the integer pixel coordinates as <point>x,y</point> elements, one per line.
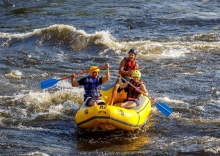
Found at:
<point>164,108</point>
<point>48,83</point>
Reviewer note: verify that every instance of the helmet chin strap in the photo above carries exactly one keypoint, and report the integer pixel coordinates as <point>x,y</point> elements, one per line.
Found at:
<point>94,76</point>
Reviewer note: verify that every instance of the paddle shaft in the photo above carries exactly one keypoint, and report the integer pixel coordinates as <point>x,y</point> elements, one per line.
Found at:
<point>80,73</point>
<point>132,85</point>
<point>51,82</point>
<point>161,106</point>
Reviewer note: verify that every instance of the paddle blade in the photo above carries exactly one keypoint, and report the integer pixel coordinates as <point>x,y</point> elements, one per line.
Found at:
<point>48,83</point>
<point>164,108</point>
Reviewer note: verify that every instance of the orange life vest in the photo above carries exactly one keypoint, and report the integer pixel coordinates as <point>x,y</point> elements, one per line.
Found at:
<point>129,65</point>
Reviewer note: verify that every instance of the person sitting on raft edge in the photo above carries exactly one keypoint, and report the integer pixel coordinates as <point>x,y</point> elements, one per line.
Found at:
<point>135,87</point>
<point>127,66</point>
<point>92,85</point>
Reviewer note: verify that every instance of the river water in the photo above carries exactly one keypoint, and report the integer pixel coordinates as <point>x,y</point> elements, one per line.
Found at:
<point>178,44</point>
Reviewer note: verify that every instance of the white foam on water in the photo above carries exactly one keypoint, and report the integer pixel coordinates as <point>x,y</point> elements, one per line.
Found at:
<point>14,74</point>
<point>34,154</point>
<point>191,144</point>
<point>169,101</point>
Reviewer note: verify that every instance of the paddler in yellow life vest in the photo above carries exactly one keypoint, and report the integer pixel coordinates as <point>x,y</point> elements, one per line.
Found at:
<point>92,85</point>
<point>135,87</point>
<point>127,66</point>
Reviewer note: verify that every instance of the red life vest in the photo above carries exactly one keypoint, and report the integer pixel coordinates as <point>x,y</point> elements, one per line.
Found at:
<point>132,92</point>
<point>129,65</point>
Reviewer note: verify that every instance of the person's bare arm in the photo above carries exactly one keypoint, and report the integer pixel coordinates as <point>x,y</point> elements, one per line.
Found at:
<point>121,68</point>
<point>122,85</point>
<point>107,75</point>
<point>144,89</point>
<point>74,82</point>
<point>136,67</point>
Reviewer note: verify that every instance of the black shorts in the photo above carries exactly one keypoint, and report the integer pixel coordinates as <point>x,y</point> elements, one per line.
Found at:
<point>88,99</point>
<point>120,89</point>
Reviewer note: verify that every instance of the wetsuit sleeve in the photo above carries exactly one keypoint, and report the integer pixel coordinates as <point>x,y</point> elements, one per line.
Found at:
<point>82,81</point>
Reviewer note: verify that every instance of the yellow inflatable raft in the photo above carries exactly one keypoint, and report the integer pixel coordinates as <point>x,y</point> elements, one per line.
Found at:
<point>107,117</point>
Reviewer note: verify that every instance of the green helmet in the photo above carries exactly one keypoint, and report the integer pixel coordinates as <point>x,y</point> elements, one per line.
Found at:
<point>136,73</point>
